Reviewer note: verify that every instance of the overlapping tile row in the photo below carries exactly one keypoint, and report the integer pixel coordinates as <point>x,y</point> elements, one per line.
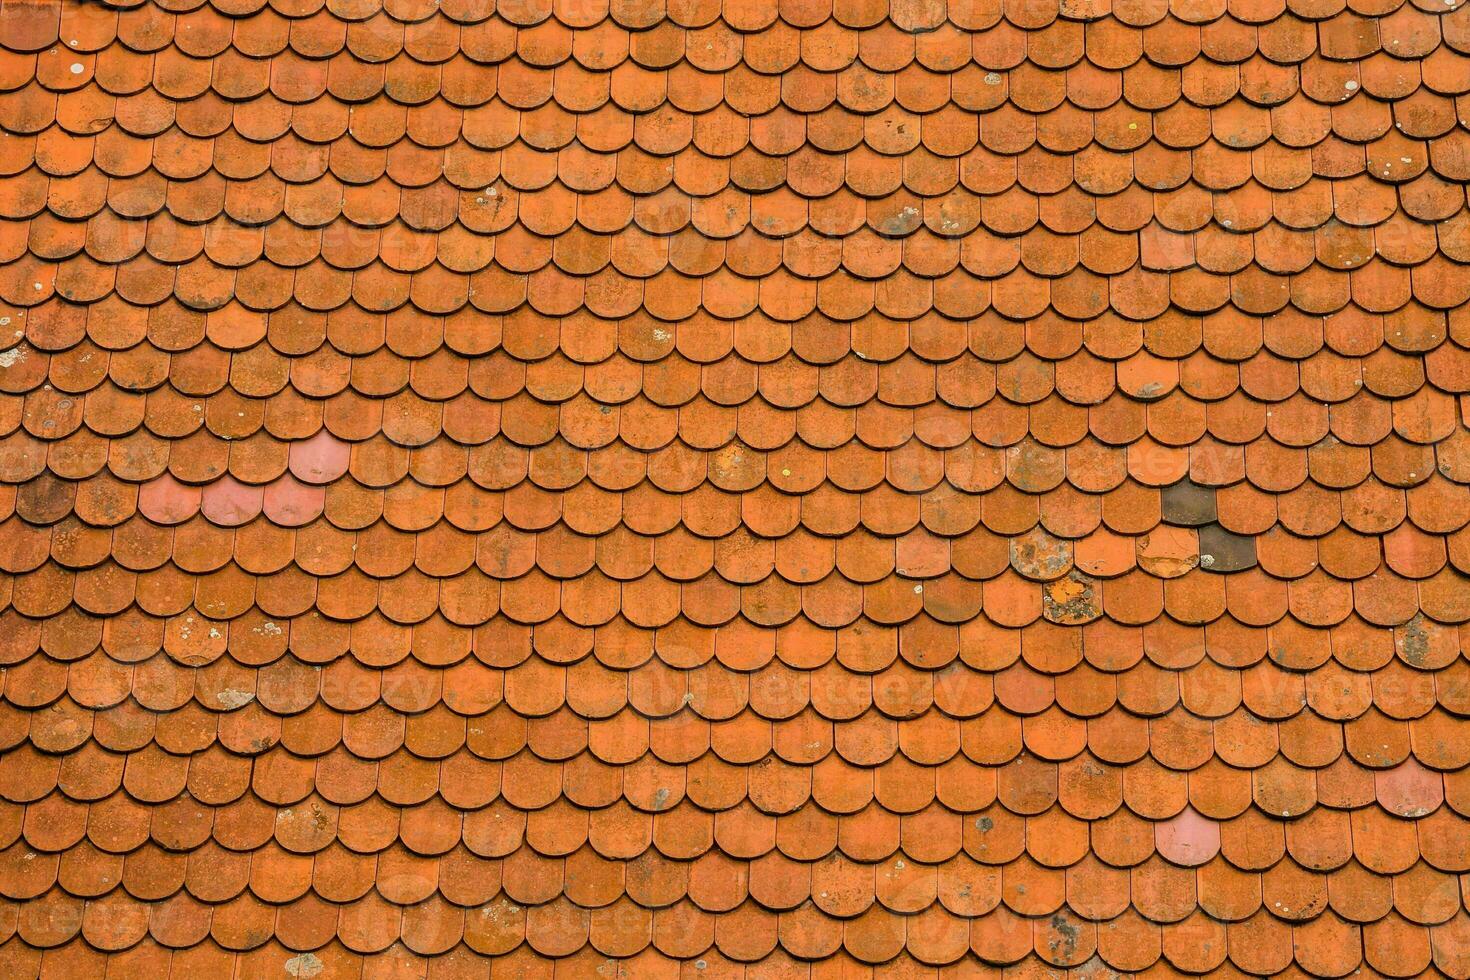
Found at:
<point>767,490</point>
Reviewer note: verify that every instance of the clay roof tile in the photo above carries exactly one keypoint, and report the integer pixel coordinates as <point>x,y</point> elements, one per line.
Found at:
<point>750,451</point>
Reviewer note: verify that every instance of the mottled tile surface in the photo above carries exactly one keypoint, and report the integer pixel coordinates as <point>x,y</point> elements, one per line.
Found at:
<point>766,490</point>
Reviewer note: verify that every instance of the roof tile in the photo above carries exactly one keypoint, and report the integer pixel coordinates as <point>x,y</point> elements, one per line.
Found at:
<point>808,520</point>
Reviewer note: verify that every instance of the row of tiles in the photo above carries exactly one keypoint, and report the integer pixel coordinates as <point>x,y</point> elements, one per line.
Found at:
<point>776,775</point>
<point>1163,889</point>
<point>1344,263</point>
<point>1249,490</point>
<point>468,66</point>
<point>744,201</point>
<point>719,46</point>
<point>678,364</point>
<point>845,766</point>
<point>902,671</point>
<point>230,529</point>
<point>732,235</point>
<point>832,192</point>
<point>664,111</point>
<point>834,886</point>
<point>1100,154</point>
<point>815,33</point>
<point>454,945</point>
<point>1354,394</point>
<point>1386,451</point>
<point>713,418</point>
<point>1442,955</point>
<point>1120,574</point>
<point>1339,673</point>
<point>380,700</point>
<point>1138,294</point>
<point>339,889</point>
<point>1342,534</point>
<point>92,29</point>
<point>1048,857</point>
<point>1216,352</point>
<point>906,468</point>
<point>365,59</point>
<point>653,601</point>
<point>564,807</point>
<point>1398,453</point>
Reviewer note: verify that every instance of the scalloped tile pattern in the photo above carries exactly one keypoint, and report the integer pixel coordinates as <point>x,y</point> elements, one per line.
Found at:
<point>774,489</point>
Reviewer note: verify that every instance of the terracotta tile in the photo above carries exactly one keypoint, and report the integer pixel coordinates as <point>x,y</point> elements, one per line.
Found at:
<point>1188,504</point>
<point>748,452</point>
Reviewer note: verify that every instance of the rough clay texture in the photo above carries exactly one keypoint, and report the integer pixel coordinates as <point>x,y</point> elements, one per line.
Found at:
<point>806,489</point>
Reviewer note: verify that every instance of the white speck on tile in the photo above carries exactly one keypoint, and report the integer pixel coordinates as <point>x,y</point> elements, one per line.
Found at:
<point>304,966</point>
<point>232,699</point>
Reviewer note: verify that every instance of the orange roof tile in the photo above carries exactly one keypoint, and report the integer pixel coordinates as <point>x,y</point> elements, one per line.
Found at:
<point>753,490</point>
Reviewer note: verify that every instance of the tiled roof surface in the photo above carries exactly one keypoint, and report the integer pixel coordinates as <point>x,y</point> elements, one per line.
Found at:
<point>801,489</point>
